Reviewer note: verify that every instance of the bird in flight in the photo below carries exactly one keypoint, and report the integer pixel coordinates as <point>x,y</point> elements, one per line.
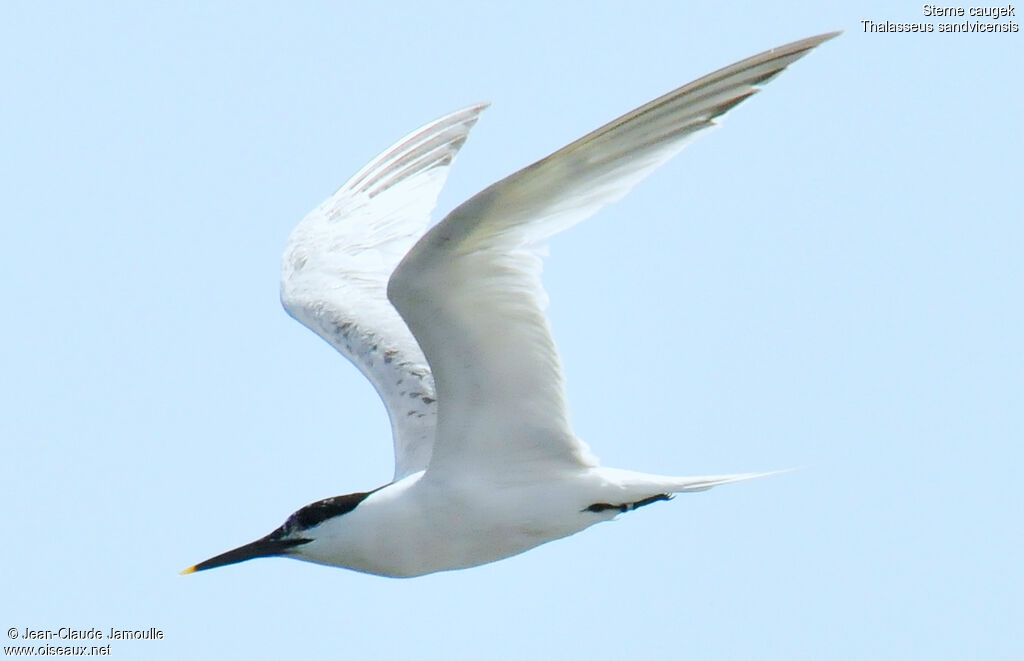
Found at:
<point>447,322</point>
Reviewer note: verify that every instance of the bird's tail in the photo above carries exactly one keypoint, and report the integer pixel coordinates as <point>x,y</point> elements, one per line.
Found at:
<point>639,484</point>
<point>703,482</point>
<point>618,490</point>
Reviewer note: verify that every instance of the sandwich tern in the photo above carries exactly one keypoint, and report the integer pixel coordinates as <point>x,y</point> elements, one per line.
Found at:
<point>448,325</point>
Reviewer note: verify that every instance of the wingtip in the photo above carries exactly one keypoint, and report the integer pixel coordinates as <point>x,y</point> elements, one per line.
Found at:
<point>470,113</point>
<point>806,44</point>
<point>820,38</point>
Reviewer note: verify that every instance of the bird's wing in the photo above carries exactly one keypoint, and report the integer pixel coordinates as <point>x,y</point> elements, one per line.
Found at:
<point>471,293</point>
<point>338,260</point>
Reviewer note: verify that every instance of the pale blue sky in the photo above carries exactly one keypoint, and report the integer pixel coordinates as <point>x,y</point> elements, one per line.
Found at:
<point>831,280</point>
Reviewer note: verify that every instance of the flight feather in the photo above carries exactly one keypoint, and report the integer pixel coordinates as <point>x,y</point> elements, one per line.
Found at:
<point>337,262</point>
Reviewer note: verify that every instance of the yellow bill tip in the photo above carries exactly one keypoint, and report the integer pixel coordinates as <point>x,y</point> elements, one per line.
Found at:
<point>190,570</point>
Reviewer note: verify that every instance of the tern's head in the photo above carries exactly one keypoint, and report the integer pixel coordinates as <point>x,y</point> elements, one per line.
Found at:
<point>289,539</point>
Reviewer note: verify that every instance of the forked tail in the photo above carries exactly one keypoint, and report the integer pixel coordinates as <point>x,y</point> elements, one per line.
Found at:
<point>685,484</point>
<point>624,490</point>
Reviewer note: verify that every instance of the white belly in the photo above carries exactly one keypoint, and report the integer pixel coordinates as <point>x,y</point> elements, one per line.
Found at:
<point>418,526</point>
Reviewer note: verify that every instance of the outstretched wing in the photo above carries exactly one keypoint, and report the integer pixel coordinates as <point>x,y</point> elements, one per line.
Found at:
<point>338,260</point>
<point>471,293</point>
